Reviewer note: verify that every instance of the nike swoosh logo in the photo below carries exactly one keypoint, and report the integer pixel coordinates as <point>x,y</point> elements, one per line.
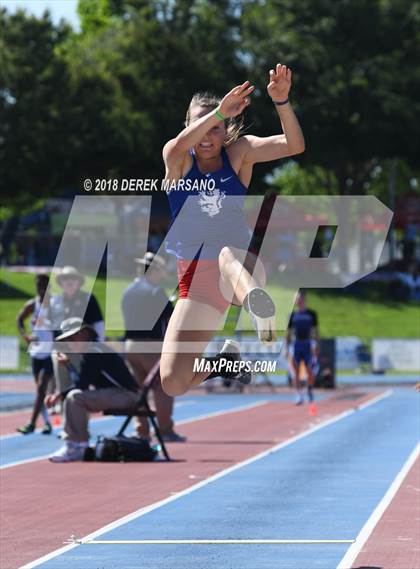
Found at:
<point>225,179</point>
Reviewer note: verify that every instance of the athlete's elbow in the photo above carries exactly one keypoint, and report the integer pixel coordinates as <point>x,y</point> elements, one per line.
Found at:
<point>297,148</point>
<point>173,150</point>
<point>179,146</point>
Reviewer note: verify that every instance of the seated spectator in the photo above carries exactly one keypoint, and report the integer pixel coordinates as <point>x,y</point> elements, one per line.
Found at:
<point>101,369</point>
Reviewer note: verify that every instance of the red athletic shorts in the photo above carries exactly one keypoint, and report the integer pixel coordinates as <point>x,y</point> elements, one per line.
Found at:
<point>205,287</point>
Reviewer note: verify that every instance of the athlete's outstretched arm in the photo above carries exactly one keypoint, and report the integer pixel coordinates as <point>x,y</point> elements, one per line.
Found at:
<point>232,104</point>
<point>26,311</point>
<point>289,143</point>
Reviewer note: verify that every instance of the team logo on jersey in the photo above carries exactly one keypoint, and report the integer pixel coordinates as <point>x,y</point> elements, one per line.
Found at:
<point>210,201</point>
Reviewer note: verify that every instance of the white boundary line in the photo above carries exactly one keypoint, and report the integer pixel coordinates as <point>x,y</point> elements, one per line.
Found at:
<point>25,461</point>
<point>182,422</point>
<point>387,393</point>
<point>378,512</point>
<point>143,511</point>
<point>210,541</point>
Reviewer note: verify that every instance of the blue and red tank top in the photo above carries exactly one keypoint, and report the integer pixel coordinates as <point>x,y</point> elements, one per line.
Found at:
<point>212,214</point>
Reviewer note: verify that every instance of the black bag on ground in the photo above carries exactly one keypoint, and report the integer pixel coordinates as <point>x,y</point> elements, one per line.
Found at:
<point>123,449</point>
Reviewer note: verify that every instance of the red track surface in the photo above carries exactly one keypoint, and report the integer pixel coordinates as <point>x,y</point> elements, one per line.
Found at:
<point>21,386</point>
<point>43,503</point>
<point>394,543</point>
<point>10,421</point>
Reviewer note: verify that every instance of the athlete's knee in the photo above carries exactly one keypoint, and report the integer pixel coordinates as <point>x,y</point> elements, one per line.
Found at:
<point>226,256</point>
<point>172,387</point>
<point>173,383</point>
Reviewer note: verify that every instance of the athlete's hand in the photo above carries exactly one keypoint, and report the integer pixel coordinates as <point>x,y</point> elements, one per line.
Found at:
<point>62,358</point>
<point>236,100</point>
<point>51,399</point>
<point>28,338</point>
<point>280,82</point>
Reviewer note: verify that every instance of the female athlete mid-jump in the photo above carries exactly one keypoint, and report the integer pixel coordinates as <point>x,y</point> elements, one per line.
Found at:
<point>209,147</point>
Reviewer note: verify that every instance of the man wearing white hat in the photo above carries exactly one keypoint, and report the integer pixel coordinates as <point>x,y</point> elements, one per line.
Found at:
<point>140,300</point>
<point>73,303</point>
<point>100,368</point>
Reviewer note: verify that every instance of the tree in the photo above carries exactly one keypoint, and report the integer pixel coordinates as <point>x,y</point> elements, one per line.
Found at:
<point>102,102</point>
<point>32,88</point>
<point>356,80</point>
<point>150,57</point>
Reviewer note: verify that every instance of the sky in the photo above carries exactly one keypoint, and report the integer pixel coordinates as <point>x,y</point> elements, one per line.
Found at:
<point>58,8</point>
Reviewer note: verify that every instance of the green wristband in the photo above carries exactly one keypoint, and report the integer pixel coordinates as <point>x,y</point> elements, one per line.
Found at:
<point>219,115</point>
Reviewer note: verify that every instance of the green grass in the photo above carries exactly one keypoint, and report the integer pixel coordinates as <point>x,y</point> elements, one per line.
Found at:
<point>369,315</point>
<point>342,315</point>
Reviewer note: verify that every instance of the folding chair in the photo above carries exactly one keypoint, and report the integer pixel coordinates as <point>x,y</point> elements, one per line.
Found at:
<point>142,409</point>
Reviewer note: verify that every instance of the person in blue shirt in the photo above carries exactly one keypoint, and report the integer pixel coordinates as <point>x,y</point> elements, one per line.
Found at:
<point>223,272</point>
<point>302,345</point>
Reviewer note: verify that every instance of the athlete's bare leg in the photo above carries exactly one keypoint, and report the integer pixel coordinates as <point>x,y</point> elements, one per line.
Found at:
<point>177,362</point>
<point>310,375</point>
<point>241,282</point>
<point>41,390</point>
<point>297,374</point>
<point>311,383</point>
<point>296,369</point>
<point>238,275</point>
<point>183,344</point>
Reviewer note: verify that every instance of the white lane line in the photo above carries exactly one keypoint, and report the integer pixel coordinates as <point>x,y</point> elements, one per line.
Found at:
<point>25,461</point>
<point>210,541</point>
<point>387,393</point>
<point>183,422</point>
<point>378,512</point>
<point>186,402</point>
<point>143,511</point>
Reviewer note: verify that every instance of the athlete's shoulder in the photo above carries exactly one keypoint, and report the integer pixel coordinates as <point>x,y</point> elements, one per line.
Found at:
<point>313,314</point>
<point>238,150</point>
<point>30,304</point>
<point>168,146</point>
<point>249,141</point>
<point>244,146</point>
<point>242,143</point>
